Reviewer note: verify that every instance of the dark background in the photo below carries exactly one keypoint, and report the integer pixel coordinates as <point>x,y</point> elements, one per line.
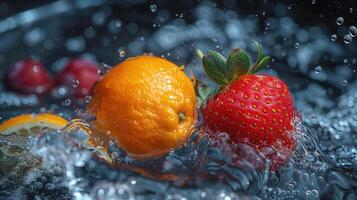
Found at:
<point>304,12</point>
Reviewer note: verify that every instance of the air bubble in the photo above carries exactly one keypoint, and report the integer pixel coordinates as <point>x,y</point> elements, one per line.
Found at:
<point>353,31</point>
<point>347,39</point>
<point>339,21</point>
<point>333,37</point>
<point>153,8</point>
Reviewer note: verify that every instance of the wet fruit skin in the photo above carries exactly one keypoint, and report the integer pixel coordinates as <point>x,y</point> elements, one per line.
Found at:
<point>255,109</point>
<point>79,76</point>
<point>29,77</point>
<point>146,104</point>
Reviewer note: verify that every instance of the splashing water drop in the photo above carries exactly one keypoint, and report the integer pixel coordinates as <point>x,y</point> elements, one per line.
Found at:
<point>333,37</point>
<point>353,31</point>
<point>347,39</point>
<point>153,8</point>
<point>339,21</point>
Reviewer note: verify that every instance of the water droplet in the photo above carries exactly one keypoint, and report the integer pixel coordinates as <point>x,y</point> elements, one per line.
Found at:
<point>153,8</point>
<point>203,194</point>
<point>347,39</point>
<point>344,83</point>
<point>59,92</point>
<point>40,89</point>
<point>36,68</point>
<point>353,31</point>
<point>313,1</point>
<point>333,37</point>
<point>133,182</point>
<point>114,26</point>
<point>340,21</point>
<point>297,45</point>
<point>75,83</point>
<point>88,99</point>
<point>103,69</point>
<point>34,37</point>
<point>122,52</point>
<point>67,102</point>
<point>179,15</point>
<point>317,69</point>
<point>76,44</point>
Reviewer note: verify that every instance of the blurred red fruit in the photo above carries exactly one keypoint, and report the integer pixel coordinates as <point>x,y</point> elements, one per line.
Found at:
<point>79,76</point>
<point>29,77</point>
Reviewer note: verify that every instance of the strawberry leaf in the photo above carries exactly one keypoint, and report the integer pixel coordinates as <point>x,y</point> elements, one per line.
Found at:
<point>260,52</point>
<point>237,64</point>
<point>263,62</point>
<point>214,64</point>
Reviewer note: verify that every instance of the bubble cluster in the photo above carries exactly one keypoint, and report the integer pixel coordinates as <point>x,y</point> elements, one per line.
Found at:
<point>9,99</point>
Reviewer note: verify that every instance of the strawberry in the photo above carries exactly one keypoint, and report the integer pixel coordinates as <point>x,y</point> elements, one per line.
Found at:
<point>29,77</point>
<point>79,76</point>
<point>252,109</point>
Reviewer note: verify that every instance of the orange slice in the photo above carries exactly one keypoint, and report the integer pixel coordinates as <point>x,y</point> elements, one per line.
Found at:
<point>18,128</point>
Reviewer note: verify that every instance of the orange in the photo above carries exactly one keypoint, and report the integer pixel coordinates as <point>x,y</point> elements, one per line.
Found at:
<point>18,128</point>
<point>146,104</point>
